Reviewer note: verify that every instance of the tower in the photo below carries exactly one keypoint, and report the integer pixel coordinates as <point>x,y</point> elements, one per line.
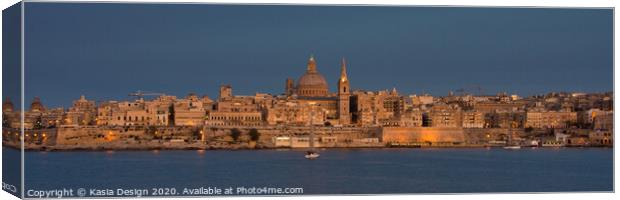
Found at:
<point>225,91</point>
<point>289,87</point>
<point>344,114</point>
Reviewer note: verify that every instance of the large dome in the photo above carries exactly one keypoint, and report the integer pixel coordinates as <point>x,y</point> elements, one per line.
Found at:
<point>312,83</point>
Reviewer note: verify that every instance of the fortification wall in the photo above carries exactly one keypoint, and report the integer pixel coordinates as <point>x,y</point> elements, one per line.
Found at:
<point>267,133</point>
<point>422,134</point>
<point>484,135</point>
<point>95,135</point>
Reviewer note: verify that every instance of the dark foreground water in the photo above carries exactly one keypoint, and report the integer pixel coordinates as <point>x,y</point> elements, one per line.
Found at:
<point>337,171</point>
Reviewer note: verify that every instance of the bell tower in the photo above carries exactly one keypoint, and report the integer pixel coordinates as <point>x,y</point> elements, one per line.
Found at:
<point>289,87</point>
<point>344,114</point>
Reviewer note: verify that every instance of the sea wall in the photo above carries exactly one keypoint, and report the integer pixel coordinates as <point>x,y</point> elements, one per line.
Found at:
<point>471,136</point>
<point>341,136</point>
<point>114,137</point>
<point>97,136</point>
<point>422,135</point>
<point>485,135</point>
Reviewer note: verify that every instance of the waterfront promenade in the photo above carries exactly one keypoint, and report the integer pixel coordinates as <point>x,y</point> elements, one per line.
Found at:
<point>270,137</point>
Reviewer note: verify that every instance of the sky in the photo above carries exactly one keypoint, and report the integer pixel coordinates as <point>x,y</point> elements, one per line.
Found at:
<point>106,51</point>
<point>11,51</point>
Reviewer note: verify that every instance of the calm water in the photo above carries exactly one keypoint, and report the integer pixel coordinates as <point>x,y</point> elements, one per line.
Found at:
<point>337,171</point>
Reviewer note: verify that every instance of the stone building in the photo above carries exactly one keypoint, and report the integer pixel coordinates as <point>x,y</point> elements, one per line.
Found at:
<point>473,119</point>
<point>604,120</point>
<point>601,137</point>
<point>411,118</point>
<point>231,110</point>
<point>550,119</point>
<point>393,103</point>
<point>488,107</point>
<point>364,107</point>
<point>295,112</point>
<point>504,119</point>
<point>191,111</point>
<point>381,108</point>
<point>158,112</point>
<point>421,100</point>
<point>445,115</point>
<point>82,112</point>
<point>162,111</point>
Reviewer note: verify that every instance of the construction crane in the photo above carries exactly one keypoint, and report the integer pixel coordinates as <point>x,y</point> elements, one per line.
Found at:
<point>469,90</point>
<point>477,87</point>
<point>460,91</point>
<point>140,94</point>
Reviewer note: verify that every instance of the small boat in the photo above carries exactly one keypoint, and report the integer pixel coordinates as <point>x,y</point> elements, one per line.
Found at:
<point>312,155</point>
<point>512,147</point>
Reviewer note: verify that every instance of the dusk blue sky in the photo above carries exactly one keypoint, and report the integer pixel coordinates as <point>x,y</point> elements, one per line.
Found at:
<point>106,51</point>
<point>11,51</point>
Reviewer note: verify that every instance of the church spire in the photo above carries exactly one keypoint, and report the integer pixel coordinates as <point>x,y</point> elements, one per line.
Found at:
<point>343,71</point>
<point>344,114</point>
<point>311,64</point>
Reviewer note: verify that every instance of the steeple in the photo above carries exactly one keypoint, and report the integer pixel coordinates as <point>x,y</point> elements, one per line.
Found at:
<point>311,64</point>
<point>344,114</point>
<point>343,71</point>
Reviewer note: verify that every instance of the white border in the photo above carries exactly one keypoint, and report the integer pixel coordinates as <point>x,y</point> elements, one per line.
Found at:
<point>23,106</point>
<point>468,3</point>
<point>512,3</point>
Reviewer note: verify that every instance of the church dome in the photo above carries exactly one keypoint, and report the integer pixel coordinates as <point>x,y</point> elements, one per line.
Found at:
<point>312,83</point>
<point>7,106</point>
<point>36,105</point>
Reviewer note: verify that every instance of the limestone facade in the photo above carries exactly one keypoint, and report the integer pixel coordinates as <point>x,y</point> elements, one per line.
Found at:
<point>550,119</point>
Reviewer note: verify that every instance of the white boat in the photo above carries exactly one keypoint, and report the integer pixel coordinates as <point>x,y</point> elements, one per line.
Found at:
<point>312,155</point>
<point>512,147</point>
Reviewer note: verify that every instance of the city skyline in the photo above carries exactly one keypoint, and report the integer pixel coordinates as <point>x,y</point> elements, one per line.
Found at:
<point>525,51</point>
<point>475,90</point>
<point>132,96</point>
